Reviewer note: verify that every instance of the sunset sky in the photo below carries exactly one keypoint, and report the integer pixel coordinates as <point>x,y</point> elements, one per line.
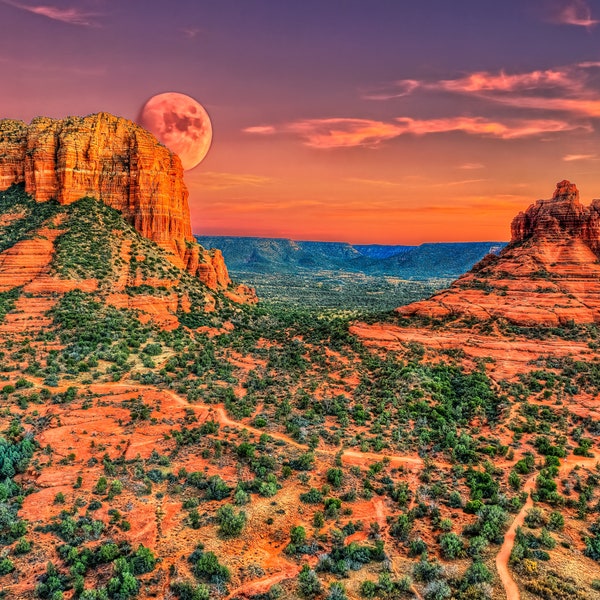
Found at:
<point>367,121</point>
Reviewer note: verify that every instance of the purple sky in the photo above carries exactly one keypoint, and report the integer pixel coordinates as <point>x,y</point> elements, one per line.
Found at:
<point>388,121</point>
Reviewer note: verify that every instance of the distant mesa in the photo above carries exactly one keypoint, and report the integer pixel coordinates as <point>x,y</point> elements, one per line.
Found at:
<point>548,275</point>
<point>119,163</point>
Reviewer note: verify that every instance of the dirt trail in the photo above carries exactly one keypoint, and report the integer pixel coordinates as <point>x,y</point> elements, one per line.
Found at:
<point>219,414</point>
<point>262,586</point>
<point>502,558</point>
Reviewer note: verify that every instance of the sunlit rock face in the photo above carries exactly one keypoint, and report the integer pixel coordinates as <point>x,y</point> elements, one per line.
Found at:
<point>560,216</point>
<point>117,162</point>
<point>548,275</point>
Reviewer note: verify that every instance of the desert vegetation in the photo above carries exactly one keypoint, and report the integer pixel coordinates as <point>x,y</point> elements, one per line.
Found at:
<point>269,452</point>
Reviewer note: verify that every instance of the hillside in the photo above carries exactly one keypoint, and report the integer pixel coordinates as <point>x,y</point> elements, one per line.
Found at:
<point>548,274</point>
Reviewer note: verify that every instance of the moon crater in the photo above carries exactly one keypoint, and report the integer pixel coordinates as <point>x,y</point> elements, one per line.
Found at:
<point>181,124</point>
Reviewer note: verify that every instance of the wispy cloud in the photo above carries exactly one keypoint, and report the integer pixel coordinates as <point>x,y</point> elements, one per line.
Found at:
<point>574,157</point>
<point>220,181</point>
<point>578,13</point>
<point>191,32</point>
<point>349,132</point>
<point>262,129</point>
<point>375,182</point>
<point>404,87</point>
<point>73,16</point>
<point>471,166</point>
<point>572,88</point>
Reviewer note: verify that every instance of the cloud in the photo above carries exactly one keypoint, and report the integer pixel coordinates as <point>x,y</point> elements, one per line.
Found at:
<point>343,132</point>
<point>190,32</point>
<point>578,13</point>
<point>262,129</point>
<point>350,132</point>
<point>73,16</point>
<point>402,88</point>
<point>484,81</point>
<point>213,180</point>
<point>375,182</point>
<point>574,157</point>
<point>471,166</point>
<point>572,88</point>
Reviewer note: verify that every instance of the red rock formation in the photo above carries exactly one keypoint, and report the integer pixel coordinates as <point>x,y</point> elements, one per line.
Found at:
<point>115,161</point>
<point>548,275</point>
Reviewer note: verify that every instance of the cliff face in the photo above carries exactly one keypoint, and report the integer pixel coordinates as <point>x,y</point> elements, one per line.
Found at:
<point>548,275</point>
<point>117,162</point>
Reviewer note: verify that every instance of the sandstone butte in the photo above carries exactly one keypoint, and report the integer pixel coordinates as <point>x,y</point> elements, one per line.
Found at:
<point>124,166</point>
<point>548,275</point>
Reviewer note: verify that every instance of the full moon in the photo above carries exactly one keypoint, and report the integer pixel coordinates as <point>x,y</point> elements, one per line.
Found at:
<point>181,124</point>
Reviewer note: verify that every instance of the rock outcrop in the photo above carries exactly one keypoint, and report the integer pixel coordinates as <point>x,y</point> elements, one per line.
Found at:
<point>548,275</point>
<point>562,215</point>
<point>119,163</point>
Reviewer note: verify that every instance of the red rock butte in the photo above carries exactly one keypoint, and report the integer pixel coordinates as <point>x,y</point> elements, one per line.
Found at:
<point>119,163</point>
<point>548,275</point>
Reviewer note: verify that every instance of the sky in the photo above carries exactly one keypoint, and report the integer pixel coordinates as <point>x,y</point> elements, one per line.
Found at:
<point>366,121</point>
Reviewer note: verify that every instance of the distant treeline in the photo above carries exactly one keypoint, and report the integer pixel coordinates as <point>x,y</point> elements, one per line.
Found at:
<point>427,261</point>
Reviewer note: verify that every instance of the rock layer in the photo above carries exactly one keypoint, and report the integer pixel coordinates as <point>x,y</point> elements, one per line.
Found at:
<point>117,162</point>
<point>548,275</point>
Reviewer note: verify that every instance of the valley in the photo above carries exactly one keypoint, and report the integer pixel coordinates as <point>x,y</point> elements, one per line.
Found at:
<point>165,433</point>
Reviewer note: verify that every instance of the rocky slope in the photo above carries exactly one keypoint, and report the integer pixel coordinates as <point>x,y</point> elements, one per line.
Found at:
<point>548,275</point>
<point>119,163</point>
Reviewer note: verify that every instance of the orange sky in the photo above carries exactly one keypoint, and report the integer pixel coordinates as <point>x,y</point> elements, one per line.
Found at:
<point>442,187</point>
<point>374,121</point>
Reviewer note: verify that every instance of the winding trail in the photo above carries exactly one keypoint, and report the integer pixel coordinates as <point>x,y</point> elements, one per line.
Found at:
<point>502,558</point>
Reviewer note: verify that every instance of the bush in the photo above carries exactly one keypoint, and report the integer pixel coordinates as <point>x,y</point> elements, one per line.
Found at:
<point>308,583</point>
<point>451,546</point>
<point>207,567</point>
<point>230,523</point>
<point>6,566</point>
<point>556,522</point>
<point>437,590</point>
<point>368,589</point>
<point>402,527</point>
<point>478,573</point>
<point>427,571</point>
<point>185,590</point>
<point>313,496</point>
<point>142,561</point>
<point>298,535</point>
<point>337,592</point>
<point>335,477</point>
<point>216,488</point>
<point>535,518</point>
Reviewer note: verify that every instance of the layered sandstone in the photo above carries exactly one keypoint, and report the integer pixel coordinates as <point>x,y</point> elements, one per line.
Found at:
<point>548,275</point>
<point>117,162</point>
